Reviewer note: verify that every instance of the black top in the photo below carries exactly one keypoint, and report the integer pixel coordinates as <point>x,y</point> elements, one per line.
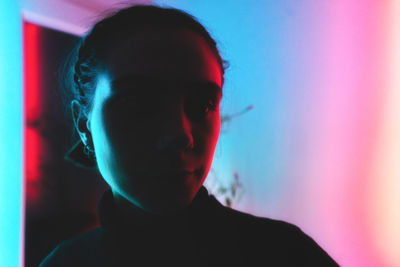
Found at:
<point>205,234</point>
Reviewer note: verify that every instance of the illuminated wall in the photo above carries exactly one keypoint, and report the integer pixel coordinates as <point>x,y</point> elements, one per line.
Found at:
<point>321,148</point>
<point>11,189</point>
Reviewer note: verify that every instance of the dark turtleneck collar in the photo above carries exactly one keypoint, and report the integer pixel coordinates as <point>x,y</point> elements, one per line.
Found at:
<point>111,219</point>
<point>175,239</point>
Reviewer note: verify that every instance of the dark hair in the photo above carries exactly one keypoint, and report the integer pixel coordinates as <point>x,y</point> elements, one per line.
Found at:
<point>84,63</point>
<point>78,79</point>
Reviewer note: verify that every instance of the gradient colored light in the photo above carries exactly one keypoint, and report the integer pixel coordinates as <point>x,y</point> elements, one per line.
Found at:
<point>11,136</point>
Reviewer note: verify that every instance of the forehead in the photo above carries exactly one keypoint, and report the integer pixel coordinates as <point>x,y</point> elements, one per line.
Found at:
<point>176,55</point>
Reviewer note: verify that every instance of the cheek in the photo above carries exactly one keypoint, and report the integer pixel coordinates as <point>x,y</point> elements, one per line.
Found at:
<point>210,142</point>
<point>210,134</point>
<point>122,141</point>
<point>216,130</point>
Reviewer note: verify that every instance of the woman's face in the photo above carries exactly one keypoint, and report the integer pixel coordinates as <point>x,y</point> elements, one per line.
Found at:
<point>155,120</point>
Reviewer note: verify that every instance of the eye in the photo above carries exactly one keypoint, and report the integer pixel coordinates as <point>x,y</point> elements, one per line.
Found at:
<point>210,106</point>
<point>201,108</point>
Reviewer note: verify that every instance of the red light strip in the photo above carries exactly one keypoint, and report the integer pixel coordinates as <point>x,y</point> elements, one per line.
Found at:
<point>32,105</point>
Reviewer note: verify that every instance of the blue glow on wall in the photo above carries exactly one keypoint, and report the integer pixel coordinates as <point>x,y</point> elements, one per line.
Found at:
<point>11,182</point>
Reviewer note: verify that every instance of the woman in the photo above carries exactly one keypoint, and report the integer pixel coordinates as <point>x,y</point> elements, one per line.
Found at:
<point>148,83</point>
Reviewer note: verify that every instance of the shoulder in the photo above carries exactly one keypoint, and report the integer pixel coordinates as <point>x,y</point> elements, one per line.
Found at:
<point>82,250</point>
<point>256,227</point>
<point>249,223</point>
<point>285,243</point>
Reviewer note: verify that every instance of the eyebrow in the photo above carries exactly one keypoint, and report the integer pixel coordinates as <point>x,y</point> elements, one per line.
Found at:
<point>130,79</point>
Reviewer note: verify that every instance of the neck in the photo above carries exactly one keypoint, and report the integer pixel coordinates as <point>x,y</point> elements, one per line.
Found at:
<point>129,208</point>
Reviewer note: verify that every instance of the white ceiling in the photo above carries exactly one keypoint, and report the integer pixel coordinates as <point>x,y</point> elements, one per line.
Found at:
<point>72,16</point>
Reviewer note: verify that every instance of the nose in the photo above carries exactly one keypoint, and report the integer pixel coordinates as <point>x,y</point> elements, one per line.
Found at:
<point>176,130</point>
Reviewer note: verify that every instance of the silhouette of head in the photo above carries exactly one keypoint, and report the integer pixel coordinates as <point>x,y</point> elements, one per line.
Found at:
<point>148,83</point>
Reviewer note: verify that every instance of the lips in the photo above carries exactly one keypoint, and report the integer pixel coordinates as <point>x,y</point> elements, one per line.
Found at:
<point>174,166</point>
<point>176,172</point>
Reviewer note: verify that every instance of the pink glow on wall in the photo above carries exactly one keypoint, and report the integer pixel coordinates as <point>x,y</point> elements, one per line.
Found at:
<point>383,184</point>
<point>345,127</point>
<point>349,72</point>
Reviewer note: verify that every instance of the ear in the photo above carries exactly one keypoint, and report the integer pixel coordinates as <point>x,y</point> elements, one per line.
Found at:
<point>81,123</point>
